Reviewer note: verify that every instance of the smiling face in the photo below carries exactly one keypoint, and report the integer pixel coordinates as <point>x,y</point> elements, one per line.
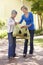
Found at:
<point>24,9</point>
<point>13,13</point>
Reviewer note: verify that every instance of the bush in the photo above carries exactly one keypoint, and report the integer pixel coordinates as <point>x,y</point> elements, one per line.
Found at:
<point>3,34</point>
<point>39,32</point>
<point>2,24</point>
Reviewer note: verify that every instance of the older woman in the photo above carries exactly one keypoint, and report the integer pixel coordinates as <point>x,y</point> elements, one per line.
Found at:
<point>28,17</point>
<point>11,39</point>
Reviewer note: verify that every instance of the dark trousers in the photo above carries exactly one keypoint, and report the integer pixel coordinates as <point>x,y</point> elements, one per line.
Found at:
<point>31,43</point>
<point>12,45</point>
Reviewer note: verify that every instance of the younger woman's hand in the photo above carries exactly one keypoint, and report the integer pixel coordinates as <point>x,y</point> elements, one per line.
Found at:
<point>24,26</point>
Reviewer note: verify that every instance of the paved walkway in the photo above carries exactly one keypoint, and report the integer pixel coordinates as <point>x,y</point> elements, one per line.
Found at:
<point>38,37</point>
<point>36,59</point>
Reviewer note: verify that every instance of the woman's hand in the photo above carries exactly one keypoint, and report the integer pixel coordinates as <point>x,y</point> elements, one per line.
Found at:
<point>16,23</point>
<point>24,26</point>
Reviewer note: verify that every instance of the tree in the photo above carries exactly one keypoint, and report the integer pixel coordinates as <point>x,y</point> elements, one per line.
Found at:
<point>37,8</point>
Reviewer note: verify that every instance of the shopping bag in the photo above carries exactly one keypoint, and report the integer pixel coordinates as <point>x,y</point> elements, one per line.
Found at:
<point>21,32</point>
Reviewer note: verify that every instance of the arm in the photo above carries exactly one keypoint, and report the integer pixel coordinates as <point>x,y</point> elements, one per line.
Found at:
<point>29,25</point>
<point>21,20</point>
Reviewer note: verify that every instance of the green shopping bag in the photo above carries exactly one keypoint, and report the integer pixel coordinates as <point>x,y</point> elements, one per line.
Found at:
<point>21,32</point>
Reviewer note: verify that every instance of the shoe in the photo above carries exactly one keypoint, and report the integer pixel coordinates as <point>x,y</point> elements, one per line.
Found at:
<point>10,58</point>
<point>30,55</point>
<point>24,55</point>
<point>14,55</point>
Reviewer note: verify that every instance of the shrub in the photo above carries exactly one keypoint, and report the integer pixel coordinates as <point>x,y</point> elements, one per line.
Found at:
<point>2,24</point>
<point>3,34</point>
<point>39,32</point>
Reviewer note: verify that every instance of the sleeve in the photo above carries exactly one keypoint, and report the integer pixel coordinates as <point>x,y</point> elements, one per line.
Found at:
<point>10,22</point>
<point>31,18</point>
<point>21,20</point>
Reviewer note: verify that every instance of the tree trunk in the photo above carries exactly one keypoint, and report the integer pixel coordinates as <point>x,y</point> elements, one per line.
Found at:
<point>38,22</point>
<point>41,21</point>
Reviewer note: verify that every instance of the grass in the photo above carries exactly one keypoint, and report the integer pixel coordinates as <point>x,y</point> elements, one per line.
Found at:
<point>38,42</point>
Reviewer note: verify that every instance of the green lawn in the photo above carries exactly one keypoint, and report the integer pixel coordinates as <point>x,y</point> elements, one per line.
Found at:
<point>38,42</point>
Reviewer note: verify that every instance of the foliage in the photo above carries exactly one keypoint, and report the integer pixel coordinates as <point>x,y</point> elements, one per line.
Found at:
<point>37,7</point>
<point>2,24</point>
<point>39,32</point>
<point>38,42</point>
<point>3,33</point>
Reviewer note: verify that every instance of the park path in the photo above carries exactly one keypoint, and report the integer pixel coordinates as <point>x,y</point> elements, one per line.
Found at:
<point>36,59</point>
<point>38,37</point>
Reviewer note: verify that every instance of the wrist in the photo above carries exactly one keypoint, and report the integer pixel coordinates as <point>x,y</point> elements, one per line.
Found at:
<point>27,26</point>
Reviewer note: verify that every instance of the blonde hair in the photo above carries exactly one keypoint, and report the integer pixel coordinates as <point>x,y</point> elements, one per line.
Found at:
<point>24,7</point>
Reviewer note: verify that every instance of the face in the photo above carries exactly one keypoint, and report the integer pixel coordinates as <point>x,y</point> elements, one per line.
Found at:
<point>14,15</point>
<point>24,11</point>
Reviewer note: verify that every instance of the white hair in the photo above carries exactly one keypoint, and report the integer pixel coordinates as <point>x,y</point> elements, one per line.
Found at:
<point>14,12</point>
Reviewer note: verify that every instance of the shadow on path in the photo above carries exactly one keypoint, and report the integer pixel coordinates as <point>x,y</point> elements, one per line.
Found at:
<point>36,59</point>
